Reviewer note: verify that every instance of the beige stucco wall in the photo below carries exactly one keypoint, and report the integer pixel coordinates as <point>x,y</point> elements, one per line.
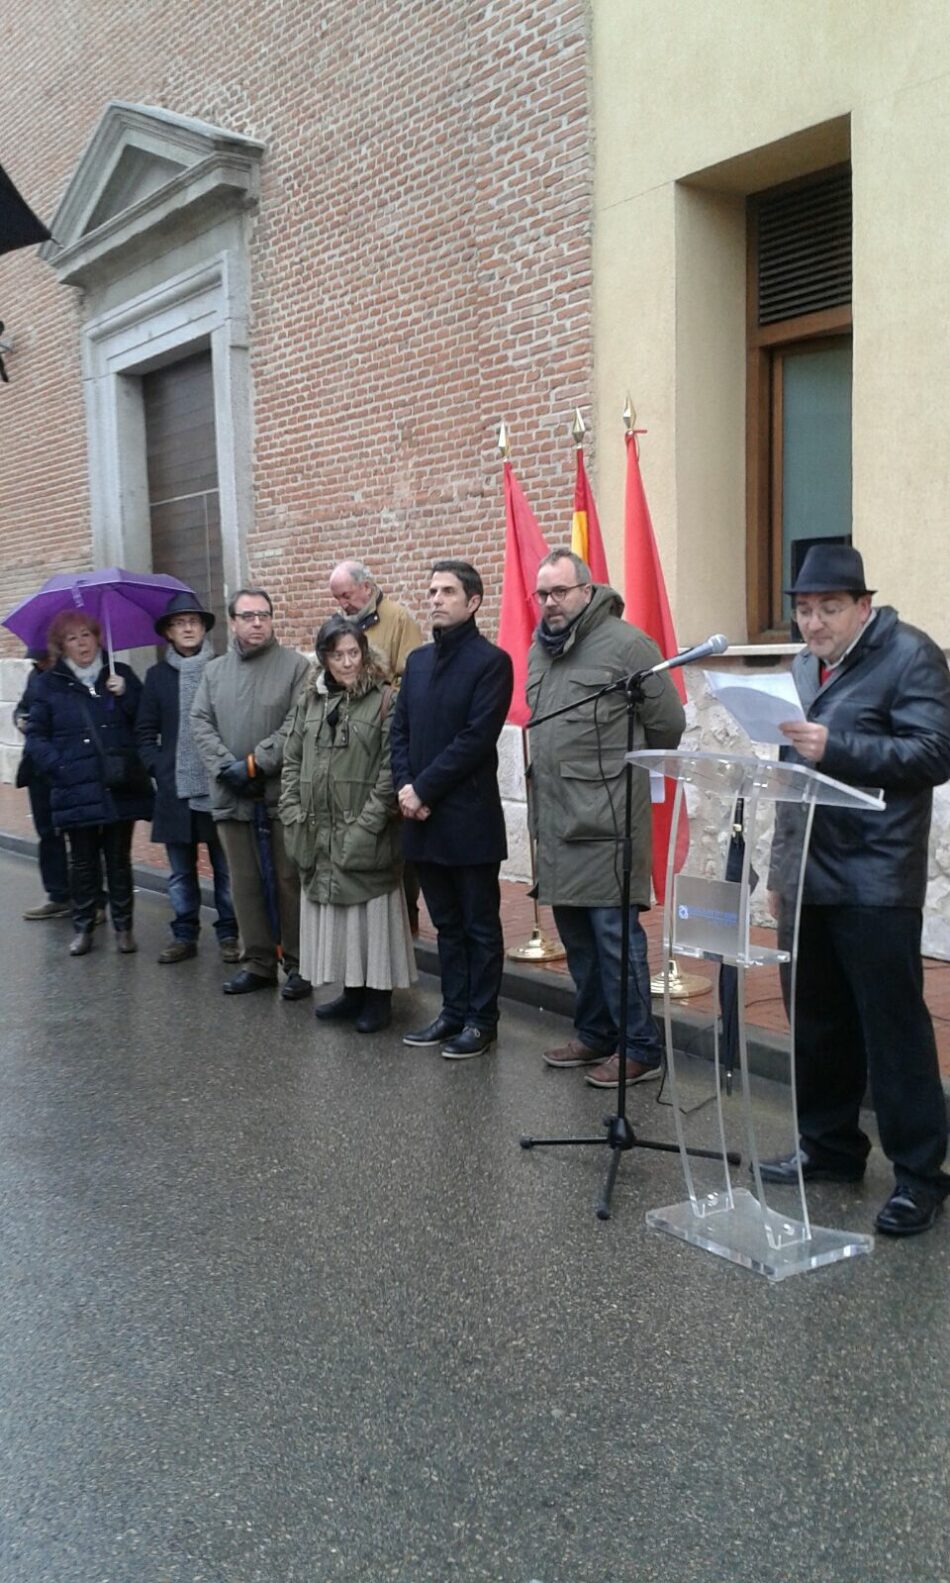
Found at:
<point>698,102</point>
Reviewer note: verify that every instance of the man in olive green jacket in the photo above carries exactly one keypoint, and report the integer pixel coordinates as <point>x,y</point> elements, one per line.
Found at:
<point>239,720</point>
<point>576,803</point>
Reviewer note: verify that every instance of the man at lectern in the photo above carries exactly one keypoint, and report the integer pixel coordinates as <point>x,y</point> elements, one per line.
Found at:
<point>876,697</point>
<point>576,803</point>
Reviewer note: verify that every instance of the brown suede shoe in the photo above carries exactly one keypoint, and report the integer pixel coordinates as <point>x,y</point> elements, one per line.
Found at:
<point>178,951</point>
<point>49,909</point>
<point>573,1053</point>
<point>230,950</point>
<point>607,1075</point>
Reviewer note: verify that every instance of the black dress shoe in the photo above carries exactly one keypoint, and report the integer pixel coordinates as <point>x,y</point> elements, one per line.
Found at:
<point>907,1211</point>
<point>245,983</point>
<point>295,987</point>
<point>376,1012</point>
<point>471,1041</point>
<point>785,1171</point>
<point>434,1032</point>
<point>81,943</point>
<point>343,1009</point>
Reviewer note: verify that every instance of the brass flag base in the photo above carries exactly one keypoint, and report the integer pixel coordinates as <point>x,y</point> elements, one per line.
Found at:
<point>537,949</point>
<point>682,985</point>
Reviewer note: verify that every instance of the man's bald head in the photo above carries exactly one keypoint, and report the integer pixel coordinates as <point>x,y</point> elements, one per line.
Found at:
<point>352,586</point>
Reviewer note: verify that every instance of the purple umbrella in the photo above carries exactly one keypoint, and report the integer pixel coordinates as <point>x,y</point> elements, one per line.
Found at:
<point>126,605</point>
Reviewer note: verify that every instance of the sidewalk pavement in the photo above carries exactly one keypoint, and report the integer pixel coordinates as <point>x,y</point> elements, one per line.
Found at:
<point>548,985</point>
<point>285,1303</point>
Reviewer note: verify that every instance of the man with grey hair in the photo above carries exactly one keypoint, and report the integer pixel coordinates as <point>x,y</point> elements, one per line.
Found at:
<point>389,627</point>
<point>576,808</point>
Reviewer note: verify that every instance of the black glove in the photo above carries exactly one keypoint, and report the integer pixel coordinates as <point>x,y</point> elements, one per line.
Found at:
<point>238,778</point>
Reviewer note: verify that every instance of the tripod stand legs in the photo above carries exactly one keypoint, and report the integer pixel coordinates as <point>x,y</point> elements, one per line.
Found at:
<point>620,1137</point>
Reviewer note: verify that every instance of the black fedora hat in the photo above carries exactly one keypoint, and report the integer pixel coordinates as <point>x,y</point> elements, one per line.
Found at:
<point>183,605</point>
<point>831,569</point>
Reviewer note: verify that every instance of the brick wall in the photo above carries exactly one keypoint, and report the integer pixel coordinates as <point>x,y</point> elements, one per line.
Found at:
<point>420,269</point>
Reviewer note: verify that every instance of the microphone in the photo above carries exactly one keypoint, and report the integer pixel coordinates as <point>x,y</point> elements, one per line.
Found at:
<point>717,644</point>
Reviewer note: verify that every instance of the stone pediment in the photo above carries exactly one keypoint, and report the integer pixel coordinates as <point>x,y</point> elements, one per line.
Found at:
<point>145,171</point>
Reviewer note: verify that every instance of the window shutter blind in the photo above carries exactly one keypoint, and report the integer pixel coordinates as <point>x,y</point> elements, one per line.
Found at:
<point>804,248</point>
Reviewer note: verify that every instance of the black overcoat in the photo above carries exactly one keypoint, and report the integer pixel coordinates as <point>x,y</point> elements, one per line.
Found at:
<point>449,712</point>
<point>156,733</point>
<point>887,710</point>
<point>62,718</point>
<point>27,773</point>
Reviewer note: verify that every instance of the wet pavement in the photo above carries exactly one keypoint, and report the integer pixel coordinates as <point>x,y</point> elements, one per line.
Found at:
<point>284,1304</point>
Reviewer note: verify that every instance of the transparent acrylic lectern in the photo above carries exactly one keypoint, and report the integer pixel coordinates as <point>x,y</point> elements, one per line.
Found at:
<point>711,911</point>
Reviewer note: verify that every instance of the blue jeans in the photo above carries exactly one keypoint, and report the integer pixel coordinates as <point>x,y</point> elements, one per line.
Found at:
<point>184,891</point>
<point>591,938</point>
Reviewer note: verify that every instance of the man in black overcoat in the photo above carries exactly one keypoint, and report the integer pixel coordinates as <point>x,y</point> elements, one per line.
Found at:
<point>53,858</point>
<point>448,717</point>
<point>182,800</point>
<point>876,697</point>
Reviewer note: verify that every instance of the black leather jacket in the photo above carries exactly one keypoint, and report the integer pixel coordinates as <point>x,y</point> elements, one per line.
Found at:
<point>887,710</point>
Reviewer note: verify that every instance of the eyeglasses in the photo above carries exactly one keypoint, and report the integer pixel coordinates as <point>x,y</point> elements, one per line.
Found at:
<point>253,615</point>
<point>828,610</point>
<point>542,595</point>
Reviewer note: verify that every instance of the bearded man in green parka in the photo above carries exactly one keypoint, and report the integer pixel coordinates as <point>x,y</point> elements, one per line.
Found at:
<point>576,802</point>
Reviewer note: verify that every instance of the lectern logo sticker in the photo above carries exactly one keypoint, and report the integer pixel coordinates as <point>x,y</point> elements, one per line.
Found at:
<point>707,916</point>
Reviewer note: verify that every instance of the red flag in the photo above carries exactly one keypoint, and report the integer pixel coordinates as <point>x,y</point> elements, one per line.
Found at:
<point>647,607</point>
<point>586,539</point>
<point>524,549</point>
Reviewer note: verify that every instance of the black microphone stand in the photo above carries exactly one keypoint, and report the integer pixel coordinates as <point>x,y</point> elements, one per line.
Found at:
<point>620,1136</point>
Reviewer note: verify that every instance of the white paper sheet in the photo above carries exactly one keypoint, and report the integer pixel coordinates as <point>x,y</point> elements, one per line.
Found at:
<point>759,704</point>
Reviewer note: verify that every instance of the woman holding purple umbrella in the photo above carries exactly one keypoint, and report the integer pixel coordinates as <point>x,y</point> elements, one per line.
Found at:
<point>80,734</point>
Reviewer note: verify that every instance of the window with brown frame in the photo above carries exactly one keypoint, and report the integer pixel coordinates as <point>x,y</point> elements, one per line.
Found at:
<point>798,387</point>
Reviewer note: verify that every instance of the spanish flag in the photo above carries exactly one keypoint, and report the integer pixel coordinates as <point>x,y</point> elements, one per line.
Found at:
<point>585,529</point>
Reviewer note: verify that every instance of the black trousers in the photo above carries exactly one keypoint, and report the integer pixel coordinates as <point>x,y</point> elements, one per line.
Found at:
<point>860,1014</point>
<point>89,846</point>
<point>54,863</point>
<point>465,907</point>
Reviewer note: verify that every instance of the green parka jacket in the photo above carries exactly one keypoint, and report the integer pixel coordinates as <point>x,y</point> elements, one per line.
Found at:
<point>576,788</point>
<point>337,802</point>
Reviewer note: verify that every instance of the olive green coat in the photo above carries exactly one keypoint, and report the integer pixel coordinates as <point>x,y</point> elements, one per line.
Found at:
<point>337,802</point>
<point>576,783</point>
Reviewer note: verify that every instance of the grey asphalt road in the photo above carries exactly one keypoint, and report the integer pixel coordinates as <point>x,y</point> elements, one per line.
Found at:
<point>283,1304</point>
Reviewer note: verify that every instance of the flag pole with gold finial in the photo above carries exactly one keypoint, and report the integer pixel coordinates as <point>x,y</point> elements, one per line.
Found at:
<point>537,948</point>
<point>682,985</point>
